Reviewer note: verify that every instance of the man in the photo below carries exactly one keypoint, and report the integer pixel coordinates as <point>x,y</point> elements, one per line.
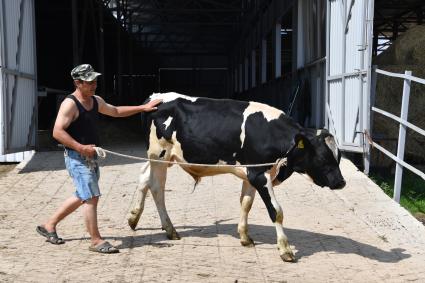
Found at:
<point>76,129</point>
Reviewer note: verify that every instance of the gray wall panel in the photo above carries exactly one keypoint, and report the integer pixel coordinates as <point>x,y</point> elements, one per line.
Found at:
<point>18,72</point>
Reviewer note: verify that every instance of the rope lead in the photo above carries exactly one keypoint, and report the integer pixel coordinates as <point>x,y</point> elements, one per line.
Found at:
<point>102,154</point>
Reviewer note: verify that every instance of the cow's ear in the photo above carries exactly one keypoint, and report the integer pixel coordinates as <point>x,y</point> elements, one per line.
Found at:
<point>322,132</point>
<point>301,142</point>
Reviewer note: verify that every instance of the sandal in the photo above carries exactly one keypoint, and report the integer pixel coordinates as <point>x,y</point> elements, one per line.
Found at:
<point>104,248</point>
<point>51,237</point>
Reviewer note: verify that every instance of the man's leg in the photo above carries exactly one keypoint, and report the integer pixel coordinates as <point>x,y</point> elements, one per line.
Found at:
<point>90,218</point>
<point>69,206</point>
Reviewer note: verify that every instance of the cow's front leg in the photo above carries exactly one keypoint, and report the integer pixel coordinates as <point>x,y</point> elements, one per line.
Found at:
<point>262,182</point>
<point>247,197</point>
<point>157,180</point>
<point>138,206</point>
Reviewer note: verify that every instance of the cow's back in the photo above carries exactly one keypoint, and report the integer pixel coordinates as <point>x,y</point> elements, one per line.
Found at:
<point>207,130</point>
<point>212,131</point>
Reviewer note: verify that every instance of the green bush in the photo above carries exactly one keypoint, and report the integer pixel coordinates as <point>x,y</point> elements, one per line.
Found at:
<point>412,190</point>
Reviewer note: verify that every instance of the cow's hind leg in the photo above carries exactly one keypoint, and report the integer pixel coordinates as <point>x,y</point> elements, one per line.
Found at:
<point>262,182</point>
<point>139,203</point>
<point>157,180</point>
<point>247,197</point>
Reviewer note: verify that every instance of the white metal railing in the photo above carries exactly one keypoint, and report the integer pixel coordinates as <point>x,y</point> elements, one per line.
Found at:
<point>404,124</point>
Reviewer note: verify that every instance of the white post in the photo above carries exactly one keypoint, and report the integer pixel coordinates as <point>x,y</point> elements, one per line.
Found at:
<point>402,137</point>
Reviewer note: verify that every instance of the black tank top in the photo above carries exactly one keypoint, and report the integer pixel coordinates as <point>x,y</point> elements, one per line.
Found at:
<point>84,128</point>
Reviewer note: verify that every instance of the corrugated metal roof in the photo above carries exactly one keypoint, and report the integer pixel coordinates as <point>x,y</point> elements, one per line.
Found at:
<point>202,26</point>
<point>392,18</point>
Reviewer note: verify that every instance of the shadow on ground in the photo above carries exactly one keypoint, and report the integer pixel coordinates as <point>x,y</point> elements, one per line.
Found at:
<point>307,243</point>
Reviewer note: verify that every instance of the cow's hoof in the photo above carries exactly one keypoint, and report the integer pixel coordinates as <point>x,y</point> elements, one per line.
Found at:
<point>132,224</point>
<point>288,257</point>
<point>173,235</point>
<point>133,218</point>
<point>247,243</point>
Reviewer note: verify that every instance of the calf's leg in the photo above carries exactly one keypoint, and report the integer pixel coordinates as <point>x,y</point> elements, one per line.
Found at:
<point>247,198</point>
<point>263,184</point>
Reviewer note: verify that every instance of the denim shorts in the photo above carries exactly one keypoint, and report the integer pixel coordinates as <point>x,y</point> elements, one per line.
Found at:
<point>85,174</point>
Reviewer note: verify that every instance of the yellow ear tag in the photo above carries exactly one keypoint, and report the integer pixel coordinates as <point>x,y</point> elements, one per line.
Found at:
<point>300,144</point>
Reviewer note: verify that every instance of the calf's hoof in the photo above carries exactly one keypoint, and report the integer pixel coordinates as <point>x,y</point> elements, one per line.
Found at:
<point>288,257</point>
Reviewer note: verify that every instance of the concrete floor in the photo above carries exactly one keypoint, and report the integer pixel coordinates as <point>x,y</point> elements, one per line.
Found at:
<point>357,234</point>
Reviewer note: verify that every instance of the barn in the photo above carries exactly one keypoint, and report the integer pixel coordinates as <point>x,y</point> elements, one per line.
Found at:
<point>311,59</point>
<point>349,66</point>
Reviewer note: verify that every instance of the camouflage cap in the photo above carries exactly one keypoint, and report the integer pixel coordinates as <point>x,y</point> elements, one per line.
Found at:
<point>84,72</point>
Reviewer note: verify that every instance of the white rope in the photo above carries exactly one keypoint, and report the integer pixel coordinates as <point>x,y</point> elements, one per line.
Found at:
<point>102,154</point>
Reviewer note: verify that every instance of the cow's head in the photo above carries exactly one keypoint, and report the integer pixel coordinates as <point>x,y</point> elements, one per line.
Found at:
<point>318,157</point>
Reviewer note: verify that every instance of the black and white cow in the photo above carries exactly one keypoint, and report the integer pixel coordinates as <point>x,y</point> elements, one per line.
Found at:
<point>211,131</point>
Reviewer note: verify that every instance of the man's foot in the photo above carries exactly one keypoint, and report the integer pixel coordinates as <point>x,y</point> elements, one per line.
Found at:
<point>104,248</point>
<point>51,237</point>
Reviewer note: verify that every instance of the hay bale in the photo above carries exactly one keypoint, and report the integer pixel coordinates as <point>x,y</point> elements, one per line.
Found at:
<point>408,49</point>
<point>406,53</point>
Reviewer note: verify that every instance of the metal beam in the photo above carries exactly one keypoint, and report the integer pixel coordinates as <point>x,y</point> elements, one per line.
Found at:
<point>75,49</point>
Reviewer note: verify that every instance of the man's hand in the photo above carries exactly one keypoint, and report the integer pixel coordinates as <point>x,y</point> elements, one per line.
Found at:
<point>151,105</point>
<point>87,150</point>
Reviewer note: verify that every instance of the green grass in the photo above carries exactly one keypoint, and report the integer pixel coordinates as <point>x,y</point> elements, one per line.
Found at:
<point>412,190</point>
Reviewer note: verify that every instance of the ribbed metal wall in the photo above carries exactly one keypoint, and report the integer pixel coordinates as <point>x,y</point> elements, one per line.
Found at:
<point>18,72</point>
<point>335,60</point>
<point>310,56</point>
<point>17,157</point>
<point>349,61</point>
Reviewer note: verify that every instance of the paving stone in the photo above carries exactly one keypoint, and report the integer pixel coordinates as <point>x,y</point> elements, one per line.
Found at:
<point>356,234</point>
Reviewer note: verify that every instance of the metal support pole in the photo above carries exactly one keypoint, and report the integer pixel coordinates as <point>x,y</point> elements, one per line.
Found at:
<point>235,79</point>
<point>263,61</point>
<point>76,57</point>
<point>295,37</point>
<point>343,71</point>
<point>327,71</point>
<point>402,137</point>
<point>130,69</point>
<point>320,103</point>
<point>253,69</point>
<point>371,103</point>
<point>240,78</point>
<point>371,87</point>
<point>102,49</point>
<point>301,36</point>
<point>277,46</point>
<point>246,73</point>
<point>119,53</point>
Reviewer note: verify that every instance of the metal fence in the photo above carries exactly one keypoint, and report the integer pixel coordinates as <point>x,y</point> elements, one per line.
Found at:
<point>404,124</point>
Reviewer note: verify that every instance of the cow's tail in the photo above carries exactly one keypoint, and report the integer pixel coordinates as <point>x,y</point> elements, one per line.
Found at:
<point>146,120</point>
<point>197,180</point>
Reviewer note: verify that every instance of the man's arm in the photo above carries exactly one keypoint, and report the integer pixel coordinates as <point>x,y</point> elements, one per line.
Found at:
<point>124,111</point>
<point>67,112</point>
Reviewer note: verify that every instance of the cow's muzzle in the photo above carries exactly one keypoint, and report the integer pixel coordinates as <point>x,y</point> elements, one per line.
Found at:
<point>339,185</point>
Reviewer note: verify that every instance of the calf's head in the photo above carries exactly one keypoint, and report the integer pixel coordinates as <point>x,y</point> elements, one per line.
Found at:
<point>319,158</point>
